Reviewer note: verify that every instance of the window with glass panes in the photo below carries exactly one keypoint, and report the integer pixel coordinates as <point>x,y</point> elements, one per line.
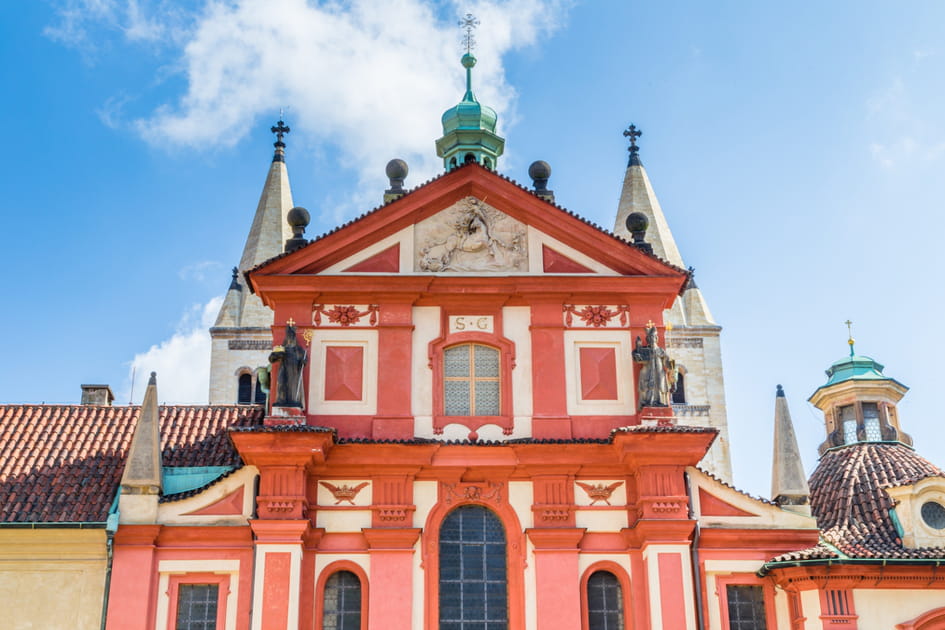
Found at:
<point>604,602</point>
<point>471,381</point>
<point>473,579</point>
<point>746,607</point>
<point>342,602</point>
<point>197,606</point>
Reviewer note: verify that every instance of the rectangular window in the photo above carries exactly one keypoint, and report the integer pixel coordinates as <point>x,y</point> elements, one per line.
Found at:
<point>746,607</point>
<point>197,606</point>
<point>848,420</point>
<point>471,381</point>
<point>871,422</point>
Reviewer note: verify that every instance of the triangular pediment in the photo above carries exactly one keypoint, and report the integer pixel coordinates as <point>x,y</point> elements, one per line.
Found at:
<point>473,222</point>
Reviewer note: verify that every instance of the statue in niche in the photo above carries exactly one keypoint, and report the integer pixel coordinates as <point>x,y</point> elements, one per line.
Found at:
<point>658,372</point>
<point>479,238</point>
<point>291,358</point>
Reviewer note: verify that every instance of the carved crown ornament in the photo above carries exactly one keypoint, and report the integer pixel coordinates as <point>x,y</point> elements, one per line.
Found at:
<point>344,315</point>
<point>599,492</point>
<point>344,493</point>
<point>596,316</point>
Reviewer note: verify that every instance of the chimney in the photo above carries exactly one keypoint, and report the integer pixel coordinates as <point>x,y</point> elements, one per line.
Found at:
<point>97,395</point>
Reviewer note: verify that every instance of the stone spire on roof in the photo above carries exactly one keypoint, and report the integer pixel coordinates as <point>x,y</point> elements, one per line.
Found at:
<point>141,480</point>
<point>788,483</point>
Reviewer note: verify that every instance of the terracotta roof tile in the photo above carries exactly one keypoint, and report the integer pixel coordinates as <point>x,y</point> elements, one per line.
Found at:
<point>63,463</point>
<point>849,499</point>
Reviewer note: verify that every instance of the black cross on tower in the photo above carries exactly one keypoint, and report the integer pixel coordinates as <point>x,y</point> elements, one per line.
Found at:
<point>633,133</point>
<point>280,130</point>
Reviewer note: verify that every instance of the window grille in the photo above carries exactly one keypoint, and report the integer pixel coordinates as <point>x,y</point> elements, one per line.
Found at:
<point>473,578</point>
<point>342,602</point>
<point>471,381</point>
<point>746,607</point>
<point>197,606</point>
<point>604,602</point>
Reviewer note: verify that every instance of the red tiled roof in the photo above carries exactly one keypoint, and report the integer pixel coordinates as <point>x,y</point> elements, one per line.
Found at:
<point>63,463</point>
<point>849,499</point>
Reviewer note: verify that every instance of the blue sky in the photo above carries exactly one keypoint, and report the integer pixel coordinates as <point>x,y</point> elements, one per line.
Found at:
<point>797,150</point>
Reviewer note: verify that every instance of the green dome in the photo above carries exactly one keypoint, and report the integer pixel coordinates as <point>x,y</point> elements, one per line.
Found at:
<point>469,129</point>
<point>855,367</point>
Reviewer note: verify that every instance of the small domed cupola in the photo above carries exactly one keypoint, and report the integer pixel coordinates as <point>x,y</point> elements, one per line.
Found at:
<point>859,403</point>
<point>469,127</point>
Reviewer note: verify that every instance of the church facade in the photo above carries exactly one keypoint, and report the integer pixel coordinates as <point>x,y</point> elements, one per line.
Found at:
<point>480,412</point>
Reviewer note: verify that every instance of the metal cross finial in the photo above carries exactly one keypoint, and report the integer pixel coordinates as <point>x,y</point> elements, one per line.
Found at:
<point>468,23</point>
<point>633,133</point>
<point>851,340</point>
<point>280,130</point>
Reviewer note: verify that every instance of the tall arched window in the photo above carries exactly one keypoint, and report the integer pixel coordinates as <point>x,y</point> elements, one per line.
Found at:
<point>471,381</point>
<point>342,602</point>
<point>244,392</point>
<point>604,602</point>
<point>473,577</point>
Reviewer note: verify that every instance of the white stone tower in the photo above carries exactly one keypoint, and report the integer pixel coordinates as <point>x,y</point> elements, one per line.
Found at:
<point>694,338</point>
<point>241,338</point>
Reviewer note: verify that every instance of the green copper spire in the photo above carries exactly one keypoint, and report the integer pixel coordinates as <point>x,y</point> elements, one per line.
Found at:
<point>469,127</point>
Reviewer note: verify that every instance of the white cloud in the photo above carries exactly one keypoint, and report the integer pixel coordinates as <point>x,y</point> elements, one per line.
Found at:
<point>369,77</point>
<point>201,271</point>
<point>182,362</point>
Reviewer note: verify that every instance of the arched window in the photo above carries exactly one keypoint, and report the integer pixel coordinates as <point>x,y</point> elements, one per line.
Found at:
<point>471,381</point>
<point>244,393</point>
<point>604,602</point>
<point>473,578</point>
<point>342,602</point>
<point>679,394</point>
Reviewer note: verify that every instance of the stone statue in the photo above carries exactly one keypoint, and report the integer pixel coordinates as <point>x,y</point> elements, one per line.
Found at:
<point>263,375</point>
<point>658,374</point>
<point>292,358</point>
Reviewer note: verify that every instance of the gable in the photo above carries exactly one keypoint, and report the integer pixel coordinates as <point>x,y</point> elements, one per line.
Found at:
<point>469,221</point>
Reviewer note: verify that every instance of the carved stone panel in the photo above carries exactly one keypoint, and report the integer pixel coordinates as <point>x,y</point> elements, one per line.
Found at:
<point>470,236</point>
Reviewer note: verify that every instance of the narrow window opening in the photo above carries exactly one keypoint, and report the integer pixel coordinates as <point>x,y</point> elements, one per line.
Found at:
<point>848,421</point>
<point>871,422</point>
<point>679,394</point>
<point>245,389</point>
<point>604,602</point>
<point>342,602</point>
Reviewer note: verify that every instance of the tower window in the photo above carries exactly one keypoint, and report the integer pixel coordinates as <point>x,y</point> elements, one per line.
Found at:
<point>244,393</point>
<point>342,599</point>
<point>848,421</point>
<point>471,381</point>
<point>473,579</point>
<point>871,422</point>
<point>604,602</point>
<point>933,513</point>
<point>679,394</point>
<point>746,607</point>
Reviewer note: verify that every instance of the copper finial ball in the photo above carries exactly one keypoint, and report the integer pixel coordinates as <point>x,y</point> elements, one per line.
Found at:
<point>637,222</point>
<point>298,217</point>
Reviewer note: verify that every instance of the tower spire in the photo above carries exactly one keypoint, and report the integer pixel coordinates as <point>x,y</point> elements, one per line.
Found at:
<point>469,127</point>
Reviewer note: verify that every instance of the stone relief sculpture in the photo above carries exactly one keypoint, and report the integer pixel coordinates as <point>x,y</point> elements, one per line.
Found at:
<point>658,372</point>
<point>471,236</point>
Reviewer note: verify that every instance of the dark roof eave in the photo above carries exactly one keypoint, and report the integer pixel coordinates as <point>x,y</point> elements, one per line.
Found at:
<point>767,567</point>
